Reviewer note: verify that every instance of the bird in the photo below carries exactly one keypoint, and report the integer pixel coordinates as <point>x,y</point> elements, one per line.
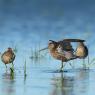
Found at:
<point>8,57</point>
<point>81,50</point>
<point>59,52</point>
<point>63,50</point>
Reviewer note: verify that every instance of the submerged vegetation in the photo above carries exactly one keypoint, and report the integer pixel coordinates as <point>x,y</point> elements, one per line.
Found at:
<point>91,63</point>
<point>25,70</point>
<point>36,55</point>
<point>12,72</point>
<point>15,49</point>
<point>88,64</point>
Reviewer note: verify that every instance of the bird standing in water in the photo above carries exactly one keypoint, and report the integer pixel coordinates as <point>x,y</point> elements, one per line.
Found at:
<point>61,51</point>
<point>81,52</point>
<point>8,57</point>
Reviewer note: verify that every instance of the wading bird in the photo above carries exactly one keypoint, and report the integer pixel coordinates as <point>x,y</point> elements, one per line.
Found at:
<point>81,51</point>
<point>8,57</point>
<point>58,52</point>
<point>62,50</point>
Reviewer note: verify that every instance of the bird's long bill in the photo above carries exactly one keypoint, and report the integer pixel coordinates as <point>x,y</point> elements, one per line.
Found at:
<point>43,49</point>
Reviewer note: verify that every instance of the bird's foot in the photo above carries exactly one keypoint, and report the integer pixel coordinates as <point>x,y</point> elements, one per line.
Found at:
<point>60,70</point>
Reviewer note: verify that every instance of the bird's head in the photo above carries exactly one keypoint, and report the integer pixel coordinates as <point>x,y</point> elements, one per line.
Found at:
<point>9,49</point>
<point>52,44</point>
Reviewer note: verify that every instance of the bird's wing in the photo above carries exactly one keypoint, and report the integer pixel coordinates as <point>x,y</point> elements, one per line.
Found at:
<point>66,46</point>
<point>73,40</point>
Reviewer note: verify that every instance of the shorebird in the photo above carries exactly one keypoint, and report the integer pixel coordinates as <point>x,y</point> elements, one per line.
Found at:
<point>8,57</point>
<point>62,50</point>
<point>81,50</point>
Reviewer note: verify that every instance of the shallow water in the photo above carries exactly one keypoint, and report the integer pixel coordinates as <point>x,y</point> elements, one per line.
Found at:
<point>29,24</point>
<point>44,79</point>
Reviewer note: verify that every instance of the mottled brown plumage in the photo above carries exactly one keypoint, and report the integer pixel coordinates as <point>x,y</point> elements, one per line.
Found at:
<point>8,56</point>
<point>62,50</point>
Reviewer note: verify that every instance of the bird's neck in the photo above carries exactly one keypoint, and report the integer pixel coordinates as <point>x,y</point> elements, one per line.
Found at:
<point>53,52</point>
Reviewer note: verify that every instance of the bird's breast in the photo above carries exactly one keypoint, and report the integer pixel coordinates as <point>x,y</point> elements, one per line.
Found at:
<point>59,56</point>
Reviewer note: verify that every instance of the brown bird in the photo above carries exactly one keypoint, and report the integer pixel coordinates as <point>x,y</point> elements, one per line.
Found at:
<point>8,57</point>
<point>81,51</point>
<point>60,52</point>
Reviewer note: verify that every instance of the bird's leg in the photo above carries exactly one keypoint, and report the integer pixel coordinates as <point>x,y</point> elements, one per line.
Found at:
<point>6,66</point>
<point>12,65</point>
<point>71,65</point>
<point>61,69</point>
<point>84,65</point>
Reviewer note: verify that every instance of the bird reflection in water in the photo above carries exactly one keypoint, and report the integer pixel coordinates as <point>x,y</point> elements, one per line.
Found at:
<point>81,82</point>
<point>62,85</point>
<point>8,83</point>
<point>78,84</point>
